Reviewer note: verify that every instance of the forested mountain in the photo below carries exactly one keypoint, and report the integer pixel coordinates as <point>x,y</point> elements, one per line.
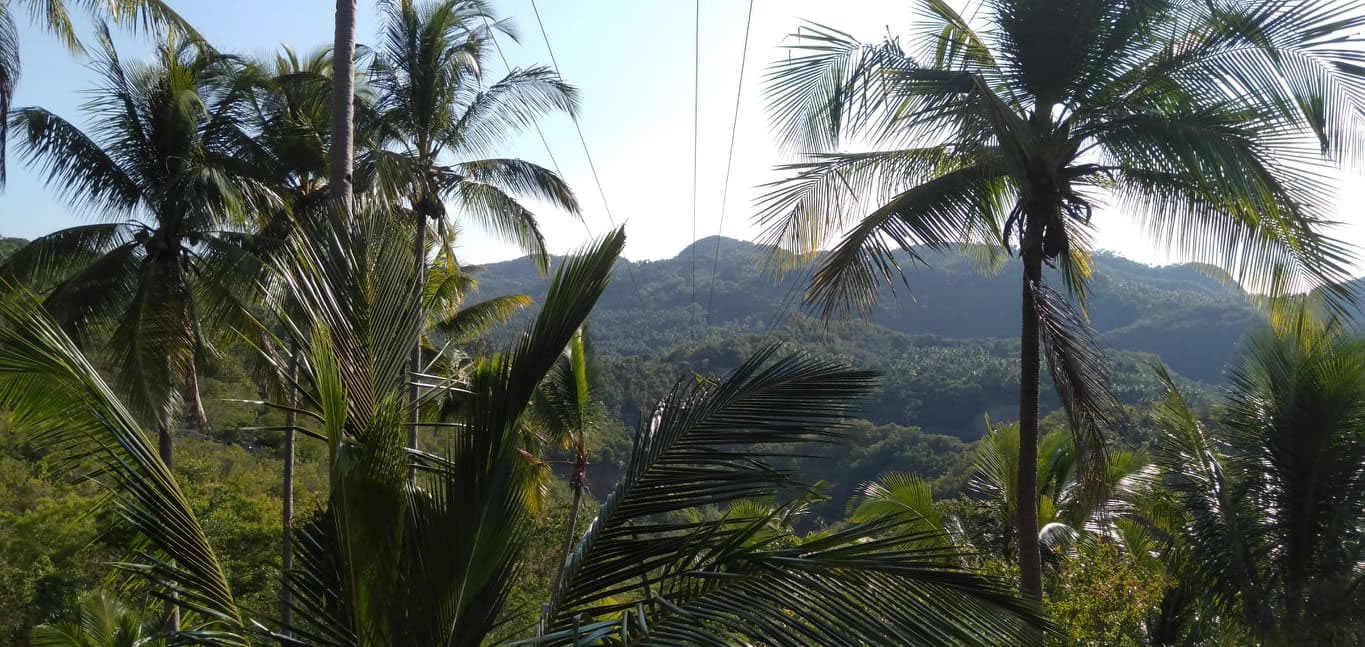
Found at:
<point>948,354</point>
<point>1192,321</point>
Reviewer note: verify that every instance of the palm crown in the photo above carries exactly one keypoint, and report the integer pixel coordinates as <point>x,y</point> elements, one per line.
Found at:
<point>157,168</point>
<point>1213,124</point>
<point>432,107</point>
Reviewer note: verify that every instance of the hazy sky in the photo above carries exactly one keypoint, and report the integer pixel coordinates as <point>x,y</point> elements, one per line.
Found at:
<point>632,61</point>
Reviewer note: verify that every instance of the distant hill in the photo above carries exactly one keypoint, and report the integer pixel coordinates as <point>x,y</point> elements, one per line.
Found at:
<point>1193,322</point>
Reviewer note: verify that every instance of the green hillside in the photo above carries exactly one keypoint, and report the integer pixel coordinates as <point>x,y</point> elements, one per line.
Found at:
<point>1193,322</point>
<point>948,353</point>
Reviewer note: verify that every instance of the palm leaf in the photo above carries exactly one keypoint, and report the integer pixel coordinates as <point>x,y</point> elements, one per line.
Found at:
<point>75,167</point>
<point>675,581</point>
<point>471,321</point>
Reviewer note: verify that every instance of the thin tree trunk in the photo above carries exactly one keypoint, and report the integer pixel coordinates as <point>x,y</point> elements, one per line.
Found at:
<point>343,110</point>
<point>580,465</point>
<point>1026,505</point>
<point>195,419</point>
<point>287,509</point>
<point>419,248</point>
<point>166,449</point>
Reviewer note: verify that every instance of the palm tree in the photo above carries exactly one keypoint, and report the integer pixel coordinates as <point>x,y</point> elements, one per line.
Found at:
<point>1067,510</point>
<point>1211,122</point>
<point>432,107</point>
<point>54,16</point>
<point>564,399</point>
<point>165,266</point>
<point>285,108</point>
<point>1273,490</point>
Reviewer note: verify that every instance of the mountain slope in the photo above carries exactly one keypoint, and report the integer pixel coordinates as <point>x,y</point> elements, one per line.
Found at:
<point>1193,322</point>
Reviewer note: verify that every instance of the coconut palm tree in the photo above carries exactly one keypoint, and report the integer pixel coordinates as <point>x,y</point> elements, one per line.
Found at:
<point>55,17</point>
<point>164,265</point>
<point>436,121</point>
<point>1273,490</point>
<point>283,130</point>
<point>1212,123</point>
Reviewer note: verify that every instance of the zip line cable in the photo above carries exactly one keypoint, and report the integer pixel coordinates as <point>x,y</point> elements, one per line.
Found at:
<point>543,142</point>
<point>545,36</point>
<point>696,130</point>
<point>729,159</point>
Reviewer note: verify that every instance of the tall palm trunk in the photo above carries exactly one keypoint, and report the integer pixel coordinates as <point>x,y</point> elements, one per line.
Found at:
<point>287,509</point>
<point>343,110</point>
<point>1026,487</point>
<point>419,249</point>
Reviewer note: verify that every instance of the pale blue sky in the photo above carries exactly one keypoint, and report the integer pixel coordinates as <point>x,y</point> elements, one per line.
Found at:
<point>632,61</point>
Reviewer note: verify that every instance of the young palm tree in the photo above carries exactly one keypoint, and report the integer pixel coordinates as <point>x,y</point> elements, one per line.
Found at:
<point>565,398</point>
<point>434,109</point>
<point>1067,510</point>
<point>1273,491</point>
<point>54,16</point>
<point>166,263</point>
<point>102,620</point>
<point>1213,123</point>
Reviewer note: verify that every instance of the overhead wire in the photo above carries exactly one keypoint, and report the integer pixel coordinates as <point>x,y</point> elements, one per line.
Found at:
<point>583,141</point>
<point>729,159</point>
<point>554,163</point>
<point>696,133</point>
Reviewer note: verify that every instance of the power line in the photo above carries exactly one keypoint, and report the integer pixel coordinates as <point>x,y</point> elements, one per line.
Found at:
<point>730,158</point>
<point>540,133</point>
<point>545,36</point>
<point>581,139</point>
<point>696,130</point>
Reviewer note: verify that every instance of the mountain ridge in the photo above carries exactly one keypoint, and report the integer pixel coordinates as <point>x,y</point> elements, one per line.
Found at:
<point>1193,321</point>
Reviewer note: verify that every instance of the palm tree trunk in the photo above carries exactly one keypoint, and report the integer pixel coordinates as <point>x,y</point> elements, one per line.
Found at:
<point>580,466</point>
<point>1026,503</point>
<point>287,509</point>
<point>419,249</point>
<point>166,449</point>
<point>343,110</point>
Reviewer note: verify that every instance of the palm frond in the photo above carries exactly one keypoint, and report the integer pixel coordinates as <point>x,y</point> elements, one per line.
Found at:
<point>1080,374</point>
<point>9,78</point>
<point>709,581</point>
<point>520,178</point>
<point>509,106</point>
<point>826,76</point>
<point>500,214</point>
<point>46,260</point>
<point>960,206</point>
<point>73,165</point>
<point>471,321</point>
<point>893,495</point>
